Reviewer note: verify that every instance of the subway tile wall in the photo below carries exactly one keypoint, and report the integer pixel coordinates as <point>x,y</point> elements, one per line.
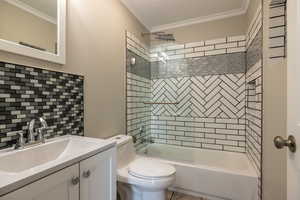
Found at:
<point>211,109</point>
<point>232,44</point>
<point>277,41</point>
<point>254,95</point>
<point>206,81</point>
<point>27,93</point>
<point>138,90</point>
<point>138,113</point>
<point>254,114</point>
<point>136,46</point>
<point>215,88</point>
<point>222,134</point>
<point>274,2</point>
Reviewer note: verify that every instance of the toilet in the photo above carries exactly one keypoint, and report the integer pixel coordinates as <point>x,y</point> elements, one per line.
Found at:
<point>140,178</point>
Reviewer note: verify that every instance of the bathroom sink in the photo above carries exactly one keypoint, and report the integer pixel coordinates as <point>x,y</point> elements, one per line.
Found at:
<point>54,150</point>
<point>26,159</point>
<point>21,167</point>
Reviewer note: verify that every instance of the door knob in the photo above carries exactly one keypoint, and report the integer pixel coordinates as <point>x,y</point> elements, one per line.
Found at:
<point>75,180</point>
<point>86,174</point>
<point>279,143</point>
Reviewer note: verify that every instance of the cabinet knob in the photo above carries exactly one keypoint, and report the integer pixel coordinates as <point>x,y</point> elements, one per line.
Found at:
<point>75,180</point>
<point>86,174</point>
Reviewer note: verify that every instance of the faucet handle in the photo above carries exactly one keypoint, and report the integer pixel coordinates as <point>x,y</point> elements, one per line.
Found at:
<point>20,144</point>
<point>43,122</point>
<point>41,134</point>
<point>31,131</point>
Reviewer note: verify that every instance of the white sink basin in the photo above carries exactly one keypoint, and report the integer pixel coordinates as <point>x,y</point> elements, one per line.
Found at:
<point>20,167</point>
<point>23,160</point>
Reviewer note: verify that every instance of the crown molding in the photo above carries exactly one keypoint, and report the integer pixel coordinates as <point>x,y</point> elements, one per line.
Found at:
<point>198,20</point>
<point>32,10</point>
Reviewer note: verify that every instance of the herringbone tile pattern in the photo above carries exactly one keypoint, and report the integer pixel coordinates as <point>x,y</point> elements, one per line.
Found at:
<point>219,96</point>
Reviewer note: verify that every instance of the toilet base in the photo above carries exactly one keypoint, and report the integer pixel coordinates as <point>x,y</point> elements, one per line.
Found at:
<point>130,192</point>
<point>159,195</point>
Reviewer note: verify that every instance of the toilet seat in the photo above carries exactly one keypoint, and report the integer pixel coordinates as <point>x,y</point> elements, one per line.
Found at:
<point>150,169</point>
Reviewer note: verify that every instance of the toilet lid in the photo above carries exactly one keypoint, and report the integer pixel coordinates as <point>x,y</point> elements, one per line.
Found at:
<point>150,169</point>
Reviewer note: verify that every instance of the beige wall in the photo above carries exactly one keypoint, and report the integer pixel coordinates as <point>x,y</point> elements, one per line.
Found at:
<point>96,49</point>
<point>21,26</point>
<point>274,120</point>
<point>210,30</point>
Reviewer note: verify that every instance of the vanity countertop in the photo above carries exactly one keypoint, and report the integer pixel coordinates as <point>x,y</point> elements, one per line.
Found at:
<point>22,167</point>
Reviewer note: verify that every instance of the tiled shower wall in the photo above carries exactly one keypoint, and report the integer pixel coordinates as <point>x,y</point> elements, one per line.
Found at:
<point>254,97</point>
<point>211,93</point>
<point>27,93</point>
<point>138,90</point>
<point>210,112</point>
<point>277,41</point>
<point>205,82</point>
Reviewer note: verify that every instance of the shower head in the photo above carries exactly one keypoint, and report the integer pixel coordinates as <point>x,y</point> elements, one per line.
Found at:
<point>165,37</point>
<point>161,36</point>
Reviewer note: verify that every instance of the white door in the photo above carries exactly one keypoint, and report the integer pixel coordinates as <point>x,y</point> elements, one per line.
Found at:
<point>293,97</point>
<point>98,177</point>
<point>62,185</point>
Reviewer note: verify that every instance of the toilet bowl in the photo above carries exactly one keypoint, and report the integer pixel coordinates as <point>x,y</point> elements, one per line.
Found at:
<point>141,178</point>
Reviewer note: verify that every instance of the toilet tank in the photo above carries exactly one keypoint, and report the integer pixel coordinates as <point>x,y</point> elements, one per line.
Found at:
<point>125,149</point>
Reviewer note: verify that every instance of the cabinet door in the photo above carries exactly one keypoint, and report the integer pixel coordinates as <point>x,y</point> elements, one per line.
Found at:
<point>58,186</point>
<point>98,177</point>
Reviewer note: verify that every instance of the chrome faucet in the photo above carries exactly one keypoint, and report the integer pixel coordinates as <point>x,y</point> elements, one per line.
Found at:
<point>20,144</point>
<point>40,132</point>
<point>31,133</point>
<point>149,140</point>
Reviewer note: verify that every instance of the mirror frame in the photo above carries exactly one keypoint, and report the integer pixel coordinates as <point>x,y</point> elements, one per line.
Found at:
<point>60,57</point>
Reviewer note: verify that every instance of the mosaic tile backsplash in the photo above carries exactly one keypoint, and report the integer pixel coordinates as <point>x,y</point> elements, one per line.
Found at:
<point>27,93</point>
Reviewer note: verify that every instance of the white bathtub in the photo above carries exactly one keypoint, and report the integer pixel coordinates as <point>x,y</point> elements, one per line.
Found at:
<point>212,174</point>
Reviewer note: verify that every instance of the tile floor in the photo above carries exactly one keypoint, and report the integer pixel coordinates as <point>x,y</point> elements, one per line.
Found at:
<point>179,196</point>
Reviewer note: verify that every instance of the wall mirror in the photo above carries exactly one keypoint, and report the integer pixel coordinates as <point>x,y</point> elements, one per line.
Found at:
<point>34,28</point>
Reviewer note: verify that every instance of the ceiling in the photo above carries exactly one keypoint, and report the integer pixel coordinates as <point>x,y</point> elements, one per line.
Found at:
<point>47,7</point>
<point>158,15</point>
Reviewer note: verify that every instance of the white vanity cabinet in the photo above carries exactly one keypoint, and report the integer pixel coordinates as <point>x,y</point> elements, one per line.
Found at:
<point>91,179</point>
<point>98,177</point>
<point>57,186</point>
